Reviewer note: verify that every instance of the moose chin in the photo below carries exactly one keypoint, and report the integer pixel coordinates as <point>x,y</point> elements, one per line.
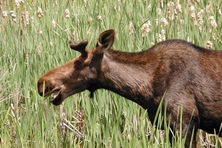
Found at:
<point>179,73</point>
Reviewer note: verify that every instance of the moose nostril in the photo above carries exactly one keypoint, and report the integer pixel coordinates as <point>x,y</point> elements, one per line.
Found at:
<point>41,93</point>
<point>44,92</point>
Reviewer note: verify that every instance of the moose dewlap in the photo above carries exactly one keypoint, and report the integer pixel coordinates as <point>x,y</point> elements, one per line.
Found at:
<point>184,75</point>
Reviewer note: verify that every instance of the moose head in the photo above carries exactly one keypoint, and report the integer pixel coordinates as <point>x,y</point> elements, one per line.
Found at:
<point>78,74</point>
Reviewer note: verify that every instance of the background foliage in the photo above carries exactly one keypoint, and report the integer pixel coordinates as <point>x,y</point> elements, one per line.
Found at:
<point>34,38</point>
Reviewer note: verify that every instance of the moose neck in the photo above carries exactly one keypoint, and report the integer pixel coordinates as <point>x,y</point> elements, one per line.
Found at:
<point>124,74</point>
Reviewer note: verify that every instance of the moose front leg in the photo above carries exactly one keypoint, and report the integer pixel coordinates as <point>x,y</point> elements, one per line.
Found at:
<point>189,130</point>
<point>183,114</point>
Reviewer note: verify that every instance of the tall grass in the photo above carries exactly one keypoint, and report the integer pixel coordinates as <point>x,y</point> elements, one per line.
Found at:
<point>34,38</point>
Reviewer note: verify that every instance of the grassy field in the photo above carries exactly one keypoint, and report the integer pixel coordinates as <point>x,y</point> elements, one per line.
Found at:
<point>34,38</point>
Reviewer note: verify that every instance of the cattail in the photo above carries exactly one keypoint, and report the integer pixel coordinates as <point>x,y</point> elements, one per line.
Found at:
<point>149,7</point>
<point>161,36</point>
<point>213,36</point>
<point>88,33</point>
<point>170,15</point>
<point>16,3</point>
<point>179,8</point>
<point>158,10</point>
<point>53,23</point>
<point>40,31</point>
<point>39,13</point>
<point>192,12</point>
<point>164,21</point>
<point>219,10</point>
<point>25,17</point>
<point>200,19</point>
<point>189,39</point>
<point>67,13</point>
<point>181,21</point>
<point>116,7</point>
<point>192,9</point>
<point>208,8</point>
<point>131,28</point>
<point>146,28</point>
<point>27,55</point>
<point>175,13</point>
<point>51,43</point>
<point>84,2</point>
<point>32,19</point>
<point>90,19</point>
<point>157,22</point>
<point>213,22</point>
<point>99,18</point>
<point>170,5</point>
<point>170,12</point>
<point>4,14</point>
<point>200,14</point>
<point>62,118</point>
<point>38,50</point>
<point>13,15</point>
<point>209,44</point>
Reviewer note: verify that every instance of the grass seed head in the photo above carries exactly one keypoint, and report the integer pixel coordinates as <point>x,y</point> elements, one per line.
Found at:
<point>38,50</point>
<point>158,10</point>
<point>146,28</point>
<point>170,5</point>
<point>164,21</point>
<point>131,28</point>
<point>219,10</point>
<point>88,33</point>
<point>25,17</point>
<point>213,23</point>
<point>200,14</point>
<point>84,2</point>
<point>192,12</point>
<point>39,12</point>
<point>67,13</point>
<point>209,44</point>
<point>208,8</point>
<point>179,8</point>
<point>40,31</point>
<point>99,18</point>
<point>4,14</point>
<point>149,7</point>
<point>16,3</point>
<point>53,23</point>
<point>13,15</point>
<point>90,19</point>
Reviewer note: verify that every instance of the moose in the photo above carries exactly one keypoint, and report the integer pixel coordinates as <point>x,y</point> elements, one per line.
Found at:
<point>182,75</point>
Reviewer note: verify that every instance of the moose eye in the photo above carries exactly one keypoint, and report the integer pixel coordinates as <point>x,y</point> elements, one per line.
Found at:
<point>78,64</point>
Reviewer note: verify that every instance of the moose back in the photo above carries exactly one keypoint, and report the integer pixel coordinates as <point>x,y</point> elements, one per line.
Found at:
<point>184,75</point>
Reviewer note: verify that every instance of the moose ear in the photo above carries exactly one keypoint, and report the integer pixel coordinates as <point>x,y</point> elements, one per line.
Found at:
<point>81,46</point>
<point>105,41</point>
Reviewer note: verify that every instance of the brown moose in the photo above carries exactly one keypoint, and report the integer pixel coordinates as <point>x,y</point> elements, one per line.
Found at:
<point>186,76</point>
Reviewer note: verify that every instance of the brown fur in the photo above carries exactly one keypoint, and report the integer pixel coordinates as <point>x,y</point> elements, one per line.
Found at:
<point>186,76</point>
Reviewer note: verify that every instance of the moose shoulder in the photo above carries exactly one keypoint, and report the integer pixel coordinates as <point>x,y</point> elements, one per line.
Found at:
<point>182,74</point>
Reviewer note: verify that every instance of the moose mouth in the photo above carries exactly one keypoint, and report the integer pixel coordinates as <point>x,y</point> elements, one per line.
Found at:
<point>57,98</point>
